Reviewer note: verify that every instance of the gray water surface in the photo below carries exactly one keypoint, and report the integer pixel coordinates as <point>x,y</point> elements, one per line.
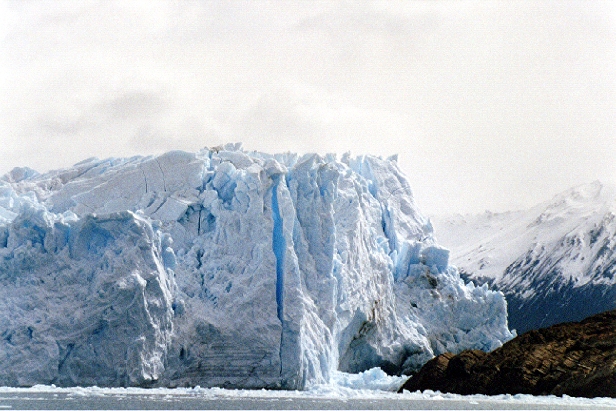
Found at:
<point>70,401</point>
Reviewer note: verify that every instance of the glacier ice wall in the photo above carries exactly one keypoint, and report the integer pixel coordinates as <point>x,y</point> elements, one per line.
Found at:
<point>226,268</point>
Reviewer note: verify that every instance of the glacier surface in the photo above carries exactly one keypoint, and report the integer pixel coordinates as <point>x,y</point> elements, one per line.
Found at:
<point>226,268</point>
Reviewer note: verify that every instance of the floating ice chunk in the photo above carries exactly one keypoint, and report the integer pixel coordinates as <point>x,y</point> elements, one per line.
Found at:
<point>372,379</point>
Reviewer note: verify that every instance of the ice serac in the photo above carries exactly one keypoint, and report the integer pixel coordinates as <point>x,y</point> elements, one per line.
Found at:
<point>226,268</point>
<point>84,301</point>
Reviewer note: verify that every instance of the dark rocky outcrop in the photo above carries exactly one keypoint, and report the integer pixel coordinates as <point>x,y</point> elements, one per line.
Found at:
<point>576,359</point>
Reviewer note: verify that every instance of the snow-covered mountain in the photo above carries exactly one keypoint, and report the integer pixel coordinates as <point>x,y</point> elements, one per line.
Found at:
<point>226,268</point>
<point>555,262</point>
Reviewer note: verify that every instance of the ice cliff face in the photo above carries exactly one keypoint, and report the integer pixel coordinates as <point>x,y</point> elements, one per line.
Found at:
<point>225,268</point>
<point>555,262</point>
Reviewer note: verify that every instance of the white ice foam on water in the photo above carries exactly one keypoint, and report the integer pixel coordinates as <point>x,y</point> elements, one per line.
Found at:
<point>329,392</point>
<point>226,268</point>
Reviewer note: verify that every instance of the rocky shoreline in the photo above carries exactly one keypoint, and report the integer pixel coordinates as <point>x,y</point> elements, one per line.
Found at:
<point>577,359</point>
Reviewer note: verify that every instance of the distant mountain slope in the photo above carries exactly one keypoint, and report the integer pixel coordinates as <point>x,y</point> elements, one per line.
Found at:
<point>555,262</point>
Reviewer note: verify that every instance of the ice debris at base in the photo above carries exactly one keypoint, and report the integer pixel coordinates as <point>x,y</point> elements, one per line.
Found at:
<point>372,379</point>
<point>226,268</point>
<point>326,393</point>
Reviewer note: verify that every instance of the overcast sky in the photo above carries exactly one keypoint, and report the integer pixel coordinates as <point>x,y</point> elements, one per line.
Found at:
<point>490,105</point>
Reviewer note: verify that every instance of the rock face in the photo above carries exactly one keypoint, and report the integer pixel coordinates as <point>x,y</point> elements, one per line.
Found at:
<point>576,359</point>
<point>555,262</point>
<point>226,268</point>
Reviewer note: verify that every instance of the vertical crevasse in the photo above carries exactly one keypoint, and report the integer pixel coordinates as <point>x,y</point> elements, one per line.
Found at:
<point>278,246</point>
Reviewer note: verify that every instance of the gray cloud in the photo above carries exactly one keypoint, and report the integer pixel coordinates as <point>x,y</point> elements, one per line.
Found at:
<point>490,104</point>
<point>134,105</point>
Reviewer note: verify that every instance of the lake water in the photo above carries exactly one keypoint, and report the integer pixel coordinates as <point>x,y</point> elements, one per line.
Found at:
<point>52,398</point>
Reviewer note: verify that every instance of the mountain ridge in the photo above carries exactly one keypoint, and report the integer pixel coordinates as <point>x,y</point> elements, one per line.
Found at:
<point>555,262</point>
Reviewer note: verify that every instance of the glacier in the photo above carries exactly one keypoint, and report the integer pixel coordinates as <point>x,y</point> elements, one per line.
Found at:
<point>226,268</point>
